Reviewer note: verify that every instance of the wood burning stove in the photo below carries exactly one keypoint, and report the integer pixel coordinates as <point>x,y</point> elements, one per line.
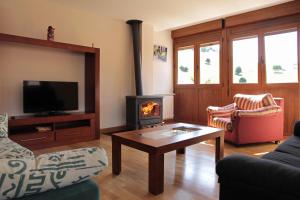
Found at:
<point>142,111</point>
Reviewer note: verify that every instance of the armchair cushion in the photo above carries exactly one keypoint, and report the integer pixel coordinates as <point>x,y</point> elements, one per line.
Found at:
<point>257,112</point>
<point>3,125</point>
<point>252,102</point>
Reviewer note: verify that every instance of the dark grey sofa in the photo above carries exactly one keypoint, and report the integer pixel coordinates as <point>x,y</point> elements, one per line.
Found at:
<point>275,176</point>
<point>88,190</point>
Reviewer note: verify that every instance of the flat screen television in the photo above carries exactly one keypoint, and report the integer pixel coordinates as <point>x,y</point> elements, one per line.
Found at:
<point>49,96</point>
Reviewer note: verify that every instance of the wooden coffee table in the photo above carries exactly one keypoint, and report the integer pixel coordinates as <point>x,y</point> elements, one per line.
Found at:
<point>160,140</point>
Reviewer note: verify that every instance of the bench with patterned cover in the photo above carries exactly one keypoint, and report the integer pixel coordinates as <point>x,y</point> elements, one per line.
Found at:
<point>22,174</point>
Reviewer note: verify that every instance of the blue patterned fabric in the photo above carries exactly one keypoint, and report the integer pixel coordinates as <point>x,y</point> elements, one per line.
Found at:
<point>3,125</point>
<point>25,174</point>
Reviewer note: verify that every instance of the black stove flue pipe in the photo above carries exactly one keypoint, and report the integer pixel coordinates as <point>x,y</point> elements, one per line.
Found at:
<point>136,38</point>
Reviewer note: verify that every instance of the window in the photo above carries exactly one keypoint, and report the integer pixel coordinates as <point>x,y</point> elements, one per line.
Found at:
<point>210,64</point>
<point>185,66</point>
<point>281,58</point>
<point>245,60</point>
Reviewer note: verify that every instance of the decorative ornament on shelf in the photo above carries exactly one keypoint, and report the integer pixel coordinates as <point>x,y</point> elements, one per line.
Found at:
<point>50,35</point>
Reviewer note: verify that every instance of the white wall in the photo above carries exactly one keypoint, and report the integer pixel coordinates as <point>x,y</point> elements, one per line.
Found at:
<point>147,58</point>
<point>163,73</point>
<point>31,18</point>
<point>24,62</point>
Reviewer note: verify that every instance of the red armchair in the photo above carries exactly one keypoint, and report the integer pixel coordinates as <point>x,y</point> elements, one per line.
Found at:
<point>250,119</point>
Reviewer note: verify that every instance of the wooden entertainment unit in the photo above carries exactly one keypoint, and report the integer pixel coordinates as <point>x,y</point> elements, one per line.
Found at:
<point>63,129</point>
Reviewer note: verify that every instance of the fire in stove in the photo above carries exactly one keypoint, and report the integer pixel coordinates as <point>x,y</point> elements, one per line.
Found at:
<point>150,109</point>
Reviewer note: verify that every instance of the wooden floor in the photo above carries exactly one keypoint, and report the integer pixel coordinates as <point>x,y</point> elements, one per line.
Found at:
<point>190,176</point>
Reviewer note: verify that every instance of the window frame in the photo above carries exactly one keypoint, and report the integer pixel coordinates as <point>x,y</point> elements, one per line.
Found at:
<point>195,41</point>
<point>204,44</point>
<point>276,31</point>
<point>178,48</point>
<point>242,36</point>
<point>260,29</point>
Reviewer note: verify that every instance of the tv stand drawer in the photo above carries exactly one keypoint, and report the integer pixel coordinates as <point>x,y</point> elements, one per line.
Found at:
<point>34,140</point>
<point>71,135</point>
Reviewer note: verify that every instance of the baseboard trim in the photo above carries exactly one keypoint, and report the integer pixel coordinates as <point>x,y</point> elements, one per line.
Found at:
<point>170,120</point>
<point>112,130</point>
<point>116,129</point>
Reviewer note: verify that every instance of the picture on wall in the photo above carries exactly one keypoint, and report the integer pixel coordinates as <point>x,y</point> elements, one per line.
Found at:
<point>160,52</point>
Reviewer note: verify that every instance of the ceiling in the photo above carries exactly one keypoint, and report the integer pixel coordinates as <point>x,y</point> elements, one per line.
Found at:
<point>169,14</point>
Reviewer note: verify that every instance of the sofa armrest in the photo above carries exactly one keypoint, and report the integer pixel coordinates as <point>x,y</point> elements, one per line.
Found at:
<point>262,173</point>
<point>215,110</point>
<point>297,128</point>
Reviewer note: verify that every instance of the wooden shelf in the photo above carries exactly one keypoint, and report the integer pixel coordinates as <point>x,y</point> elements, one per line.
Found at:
<point>30,120</point>
<point>47,43</point>
<point>91,84</point>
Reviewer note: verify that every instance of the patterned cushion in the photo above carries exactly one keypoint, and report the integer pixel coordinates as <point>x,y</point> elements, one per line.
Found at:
<point>3,125</point>
<point>258,112</point>
<point>252,102</point>
<point>50,171</point>
<point>268,100</point>
<point>222,122</point>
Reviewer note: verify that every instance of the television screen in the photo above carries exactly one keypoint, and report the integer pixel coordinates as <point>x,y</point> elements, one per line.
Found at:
<point>48,96</point>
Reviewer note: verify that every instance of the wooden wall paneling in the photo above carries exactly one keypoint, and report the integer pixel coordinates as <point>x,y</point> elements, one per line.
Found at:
<point>196,29</point>
<point>198,38</point>
<point>225,73</point>
<point>299,58</point>
<point>273,12</point>
<point>185,105</point>
<point>291,106</point>
<point>174,66</point>
<point>210,94</point>
<point>285,23</point>
<point>208,97</point>
<point>261,60</point>
<point>196,65</point>
<point>200,91</point>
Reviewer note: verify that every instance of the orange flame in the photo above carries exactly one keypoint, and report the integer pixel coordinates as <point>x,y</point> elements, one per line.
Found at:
<point>148,108</point>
